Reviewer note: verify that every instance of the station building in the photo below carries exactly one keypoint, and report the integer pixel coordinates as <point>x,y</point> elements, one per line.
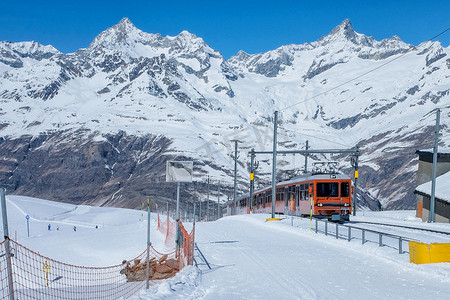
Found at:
<point>423,189</point>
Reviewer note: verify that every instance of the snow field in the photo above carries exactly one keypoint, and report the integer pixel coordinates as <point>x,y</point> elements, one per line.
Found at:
<point>250,258</point>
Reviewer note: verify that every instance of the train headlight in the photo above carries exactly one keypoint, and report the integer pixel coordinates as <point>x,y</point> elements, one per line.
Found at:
<point>346,204</point>
<point>319,204</point>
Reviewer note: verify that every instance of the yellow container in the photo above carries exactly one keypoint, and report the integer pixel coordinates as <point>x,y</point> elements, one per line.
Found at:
<point>420,253</point>
<point>439,253</point>
<point>273,219</point>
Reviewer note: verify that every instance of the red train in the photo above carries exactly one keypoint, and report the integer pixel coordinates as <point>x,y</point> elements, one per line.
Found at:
<point>324,192</point>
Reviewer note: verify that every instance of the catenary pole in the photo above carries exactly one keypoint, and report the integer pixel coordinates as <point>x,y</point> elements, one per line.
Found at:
<point>252,178</point>
<point>306,158</point>
<point>207,202</point>
<point>148,222</point>
<point>178,217</point>
<point>7,246</point>
<point>199,209</point>
<point>274,162</point>
<point>355,199</point>
<point>431,215</point>
<point>193,222</point>
<point>218,203</point>
<point>235,175</point>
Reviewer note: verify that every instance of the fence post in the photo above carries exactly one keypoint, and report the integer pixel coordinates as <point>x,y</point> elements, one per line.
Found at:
<point>178,242</point>
<point>400,245</point>
<point>380,239</point>
<point>363,236</point>
<point>337,231</point>
<point>349,233</point>
<point>326,227</point>
<point>7,247</point>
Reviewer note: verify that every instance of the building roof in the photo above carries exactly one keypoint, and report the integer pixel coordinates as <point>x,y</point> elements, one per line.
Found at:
<point>442,187</point>
<point>427,155</point>
<point>444,151</point>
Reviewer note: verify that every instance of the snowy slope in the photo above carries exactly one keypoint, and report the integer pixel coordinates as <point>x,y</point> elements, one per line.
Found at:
<point>251,259</point>
<point>180,88</point>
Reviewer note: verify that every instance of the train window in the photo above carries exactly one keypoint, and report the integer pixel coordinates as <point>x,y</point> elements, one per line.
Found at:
<point>345,189</point>
<point>327,189</point>
<point>279,195</point>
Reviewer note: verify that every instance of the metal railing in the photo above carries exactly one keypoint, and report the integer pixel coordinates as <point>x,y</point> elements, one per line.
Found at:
<point>372,235</point>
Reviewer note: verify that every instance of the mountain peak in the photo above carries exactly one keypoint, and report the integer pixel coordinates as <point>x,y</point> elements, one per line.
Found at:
<point>187,36</point>
<point>345,27</point>
<point>125,20</point>
<point>122,32</point>
<point>344,30</point>
<point>125,25</point>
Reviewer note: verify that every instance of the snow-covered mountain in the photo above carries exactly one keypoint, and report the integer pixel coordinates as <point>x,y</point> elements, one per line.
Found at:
<point>97,125</point>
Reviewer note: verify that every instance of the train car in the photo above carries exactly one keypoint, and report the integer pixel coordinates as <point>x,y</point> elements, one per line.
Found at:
<point>324,193</point>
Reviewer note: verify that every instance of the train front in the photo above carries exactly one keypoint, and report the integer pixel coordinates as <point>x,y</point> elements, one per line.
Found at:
<point>331,193</point>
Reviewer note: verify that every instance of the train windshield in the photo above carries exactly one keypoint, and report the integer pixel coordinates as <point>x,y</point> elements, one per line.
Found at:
<point>327,189</point>
<point>345,189</point>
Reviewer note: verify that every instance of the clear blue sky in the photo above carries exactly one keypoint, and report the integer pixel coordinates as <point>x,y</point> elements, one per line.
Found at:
<point>227,26</point>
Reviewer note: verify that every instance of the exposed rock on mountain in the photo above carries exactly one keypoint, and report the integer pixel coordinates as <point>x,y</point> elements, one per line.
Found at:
<point>97,126</point>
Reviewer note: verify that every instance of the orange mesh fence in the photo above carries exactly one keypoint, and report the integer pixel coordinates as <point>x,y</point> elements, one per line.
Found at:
<point>169,229</point>
<point>35,276</point>
<point>188,245</point>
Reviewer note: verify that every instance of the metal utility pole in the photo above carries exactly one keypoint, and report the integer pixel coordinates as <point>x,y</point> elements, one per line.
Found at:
<point>194,213</point>
<point>178,217</point>
<point>306,157</point>
<point>235,174</point>
<point>218,204</point>
<point>431,215</point>
<point>200,209</point>
<point>148,222</point>
<point>355,200</point>
<point>178,201</point>
<point>7,246</point>
<point>252,178</point>
<point>274,162</point>
<point>207,202</point>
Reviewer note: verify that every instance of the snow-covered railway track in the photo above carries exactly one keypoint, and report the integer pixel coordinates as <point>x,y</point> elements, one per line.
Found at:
<point>400,226</point>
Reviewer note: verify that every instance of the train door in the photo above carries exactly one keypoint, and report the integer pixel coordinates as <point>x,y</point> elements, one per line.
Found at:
<point>279,200</point>
<point>303,201</point>
<point>312,198</point>
<point>285,199</point>
<point>297,199</point>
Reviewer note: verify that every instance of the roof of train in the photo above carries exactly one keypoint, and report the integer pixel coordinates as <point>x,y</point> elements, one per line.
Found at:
<point>301,178</point>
